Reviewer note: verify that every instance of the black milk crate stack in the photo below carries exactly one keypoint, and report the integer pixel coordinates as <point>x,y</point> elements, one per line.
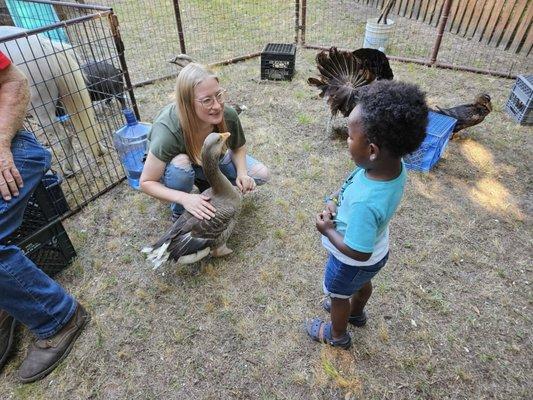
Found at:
<point>277,61</point>
<point>41,235</point>
<point>520,103</point>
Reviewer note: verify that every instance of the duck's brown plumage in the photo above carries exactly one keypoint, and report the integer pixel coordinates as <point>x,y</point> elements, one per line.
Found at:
<point>190,235</point>
<point>469,114</point>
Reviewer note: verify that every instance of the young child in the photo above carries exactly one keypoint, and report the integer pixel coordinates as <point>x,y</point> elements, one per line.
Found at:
<point>389,121</point>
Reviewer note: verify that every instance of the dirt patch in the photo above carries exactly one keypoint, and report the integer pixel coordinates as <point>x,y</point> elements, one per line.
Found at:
<point>450,316</point>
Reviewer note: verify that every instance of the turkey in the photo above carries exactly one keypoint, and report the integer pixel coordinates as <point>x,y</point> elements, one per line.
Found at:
<point>343,73</point>
<point>468,115</point>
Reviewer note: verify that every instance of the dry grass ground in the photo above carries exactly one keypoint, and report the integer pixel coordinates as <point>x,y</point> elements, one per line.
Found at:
<point>450,316</point>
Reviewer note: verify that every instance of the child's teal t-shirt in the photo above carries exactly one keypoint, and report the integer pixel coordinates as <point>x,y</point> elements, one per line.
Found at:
<point>365,208</point>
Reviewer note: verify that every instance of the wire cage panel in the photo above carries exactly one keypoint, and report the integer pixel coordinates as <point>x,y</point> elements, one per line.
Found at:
<point>79,85</point>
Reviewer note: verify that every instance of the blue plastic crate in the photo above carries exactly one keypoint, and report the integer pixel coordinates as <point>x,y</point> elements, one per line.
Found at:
<point>438,132</point>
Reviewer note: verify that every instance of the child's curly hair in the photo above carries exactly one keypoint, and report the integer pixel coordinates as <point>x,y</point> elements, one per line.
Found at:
<point>394,115</point>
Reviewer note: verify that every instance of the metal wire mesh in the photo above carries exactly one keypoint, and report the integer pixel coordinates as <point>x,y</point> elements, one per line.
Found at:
<point>342,23</point>
<point>214,31</point>
<point>78,90</point>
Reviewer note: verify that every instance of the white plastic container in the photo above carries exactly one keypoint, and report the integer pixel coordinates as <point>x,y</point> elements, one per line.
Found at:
<point>377,35</point>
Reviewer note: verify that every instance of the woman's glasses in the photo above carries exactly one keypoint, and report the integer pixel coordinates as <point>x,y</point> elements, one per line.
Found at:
<point>209,102</point>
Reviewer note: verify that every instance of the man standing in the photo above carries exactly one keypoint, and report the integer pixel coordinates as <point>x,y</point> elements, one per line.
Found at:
<point>26,293</point>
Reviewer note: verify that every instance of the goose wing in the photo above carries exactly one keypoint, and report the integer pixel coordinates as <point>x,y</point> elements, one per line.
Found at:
<point>196,235</point>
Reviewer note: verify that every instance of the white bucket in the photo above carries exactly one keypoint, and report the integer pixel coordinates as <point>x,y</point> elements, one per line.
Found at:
<point>377,35</point>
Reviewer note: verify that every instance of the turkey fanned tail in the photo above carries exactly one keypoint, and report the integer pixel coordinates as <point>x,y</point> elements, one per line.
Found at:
<point>343,73</point>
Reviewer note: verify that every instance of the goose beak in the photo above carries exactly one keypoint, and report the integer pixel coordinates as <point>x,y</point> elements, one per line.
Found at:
<point>225,136</point>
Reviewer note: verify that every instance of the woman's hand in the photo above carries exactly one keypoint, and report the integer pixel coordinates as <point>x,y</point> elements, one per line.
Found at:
<point>324,222</point>
<point>245,183</point>
<point>199,206</point>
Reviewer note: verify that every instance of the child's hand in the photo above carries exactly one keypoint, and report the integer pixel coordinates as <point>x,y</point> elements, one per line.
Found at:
<point>324,222</point>
<point>331,208</point>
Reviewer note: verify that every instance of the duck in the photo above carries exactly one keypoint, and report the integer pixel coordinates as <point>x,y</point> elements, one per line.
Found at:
<point>468,115</point>
<point>191,239</point>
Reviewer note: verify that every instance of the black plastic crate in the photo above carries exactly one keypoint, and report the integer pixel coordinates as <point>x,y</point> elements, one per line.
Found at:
<point>46,204</point>
<point>277,61</point>
<point>520,102</point>
<point>50,249</point>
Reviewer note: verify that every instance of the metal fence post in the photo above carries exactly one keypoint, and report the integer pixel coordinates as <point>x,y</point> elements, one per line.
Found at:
<point>302,25</point>
<point>113,22</point>
<point>296,20</point>
<point>178,24</point>
<point>440,31</point>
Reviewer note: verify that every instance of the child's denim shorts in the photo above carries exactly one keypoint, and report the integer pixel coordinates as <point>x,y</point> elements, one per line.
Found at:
<point>342,280</point>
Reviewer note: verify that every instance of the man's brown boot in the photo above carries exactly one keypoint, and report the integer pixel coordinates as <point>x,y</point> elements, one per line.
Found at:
<point>46,354</point>
<point>7,330</point>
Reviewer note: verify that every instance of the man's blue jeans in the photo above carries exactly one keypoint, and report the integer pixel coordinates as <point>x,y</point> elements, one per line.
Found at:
<point>27,293</point>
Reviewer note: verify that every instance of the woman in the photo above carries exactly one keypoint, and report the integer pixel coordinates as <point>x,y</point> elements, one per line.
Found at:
<point>175,142</point>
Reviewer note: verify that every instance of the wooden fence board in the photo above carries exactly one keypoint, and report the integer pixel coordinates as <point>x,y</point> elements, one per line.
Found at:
<point>485,17</point>
<point>416,9</point>
<point>479,7</point>
<point>496,12</point>
<point>522,29</point>
<point>459,14</point>
<point>423,10</point>
<point>469,12</point>
<point>502,22</point>
<point>528,44</point>
<point>519,9</point>
<point>437,10</point>
<point>453,14</point>
<point>409,8</point>
<point>397,6</point>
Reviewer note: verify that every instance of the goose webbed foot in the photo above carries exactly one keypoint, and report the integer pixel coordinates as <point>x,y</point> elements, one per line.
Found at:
<point>221,251</point>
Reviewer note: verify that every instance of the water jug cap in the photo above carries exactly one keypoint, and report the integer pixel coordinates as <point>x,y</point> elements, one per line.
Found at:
<point>63,118</point>
<point>130,116</point>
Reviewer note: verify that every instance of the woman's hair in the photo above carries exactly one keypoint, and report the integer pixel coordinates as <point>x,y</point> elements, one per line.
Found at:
<point>189,77</point>
<point>394,115</point>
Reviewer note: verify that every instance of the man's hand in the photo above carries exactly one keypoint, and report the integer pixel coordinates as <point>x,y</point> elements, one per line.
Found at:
<point>10,179</point>
<point>324,222</point>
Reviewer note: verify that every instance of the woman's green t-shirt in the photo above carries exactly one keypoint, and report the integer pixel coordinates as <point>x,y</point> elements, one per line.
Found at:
<point>166,138</point>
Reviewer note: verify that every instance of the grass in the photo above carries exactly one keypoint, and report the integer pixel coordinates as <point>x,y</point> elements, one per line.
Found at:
<point>448,318</point>
<point>449,315</point>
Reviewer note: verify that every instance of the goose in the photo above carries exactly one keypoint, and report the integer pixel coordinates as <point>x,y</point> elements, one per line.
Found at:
<point>191,239</point>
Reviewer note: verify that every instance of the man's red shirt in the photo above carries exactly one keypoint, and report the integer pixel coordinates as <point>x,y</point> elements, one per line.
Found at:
<point>4,61</point>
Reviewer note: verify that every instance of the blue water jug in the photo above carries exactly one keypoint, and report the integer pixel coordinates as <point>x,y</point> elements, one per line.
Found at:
<point>130,142</point>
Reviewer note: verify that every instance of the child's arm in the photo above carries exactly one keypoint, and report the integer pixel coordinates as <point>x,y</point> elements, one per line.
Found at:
<point>326,226</point>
